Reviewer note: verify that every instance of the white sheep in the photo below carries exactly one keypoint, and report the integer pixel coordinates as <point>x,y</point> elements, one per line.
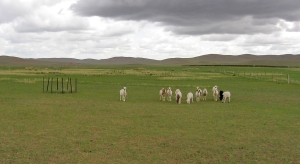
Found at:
<point>189,97</point>
<point>169,94</point>
<point>162,94</point>
<point>204,93</point>
<point>225,96</point>
<point>123,94</point>
<point>215,92</point>
<point>178,96</point>
<point>198,94</point>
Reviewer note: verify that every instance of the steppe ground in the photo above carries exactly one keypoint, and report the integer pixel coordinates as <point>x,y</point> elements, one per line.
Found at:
<point>259,125</point>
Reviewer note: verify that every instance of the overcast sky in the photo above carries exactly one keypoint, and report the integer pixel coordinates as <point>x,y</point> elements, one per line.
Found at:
<point>155,29</point>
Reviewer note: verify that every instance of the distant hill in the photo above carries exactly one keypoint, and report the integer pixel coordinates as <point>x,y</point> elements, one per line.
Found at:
<point>210,59</point>
<point>249,59</point>
<point>15,61</point>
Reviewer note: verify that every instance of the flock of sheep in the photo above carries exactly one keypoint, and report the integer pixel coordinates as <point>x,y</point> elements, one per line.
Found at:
<point>163,93</point>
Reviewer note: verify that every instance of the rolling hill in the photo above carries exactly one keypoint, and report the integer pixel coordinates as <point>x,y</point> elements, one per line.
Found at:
<point>210,59</point>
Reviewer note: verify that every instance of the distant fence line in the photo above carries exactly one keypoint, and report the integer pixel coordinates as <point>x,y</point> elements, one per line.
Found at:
<point>57,85</point>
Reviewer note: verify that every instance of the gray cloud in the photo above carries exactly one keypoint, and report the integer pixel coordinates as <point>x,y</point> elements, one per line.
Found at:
<point>295,27</point>
<point>198,17</point>
<point>216,37</point>
<point>10,10</point>
<point>38,23</point>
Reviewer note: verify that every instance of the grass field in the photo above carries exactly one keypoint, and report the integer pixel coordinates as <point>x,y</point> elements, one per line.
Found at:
<point>260,125</point>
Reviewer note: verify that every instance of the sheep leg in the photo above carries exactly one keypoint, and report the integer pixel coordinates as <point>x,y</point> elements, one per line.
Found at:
<point>224,100</point>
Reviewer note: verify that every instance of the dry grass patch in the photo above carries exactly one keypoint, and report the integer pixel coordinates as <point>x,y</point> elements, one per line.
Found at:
<point>95,72</point>
<point>27,80</point>
<point>193,76</point>
<point>105,72</point>
<point>293,69</point>
<point>135,71</point>
<point>4,78</point>
<point>86,71</point>
<point>17,72</point>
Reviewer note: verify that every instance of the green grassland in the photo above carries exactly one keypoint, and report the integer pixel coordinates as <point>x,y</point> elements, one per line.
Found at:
<point>259,125</point>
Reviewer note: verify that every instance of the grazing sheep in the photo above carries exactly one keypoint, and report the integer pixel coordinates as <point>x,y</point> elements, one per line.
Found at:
<point>221,95</point>
<point>198,94</point>
<point>169,94</point>
<point>178,96</point>
<point>225,96</point>
<point>204,93</point>
<point>189,97</point>
<point>123,94</point>
<point>215,92</point>
<point>162,94</point>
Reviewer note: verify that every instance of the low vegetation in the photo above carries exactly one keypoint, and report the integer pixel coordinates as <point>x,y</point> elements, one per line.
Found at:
<point>259,125</point>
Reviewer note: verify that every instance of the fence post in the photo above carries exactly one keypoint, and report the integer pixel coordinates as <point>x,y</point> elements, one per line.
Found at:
<point>71,85</point>
<point>51,83</point>
<point>68,84</point>
<point>48,84</point>
<point>288,79</point>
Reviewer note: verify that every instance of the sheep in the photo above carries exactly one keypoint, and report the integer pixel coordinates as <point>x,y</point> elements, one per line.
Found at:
<point>169,94</point>
<point>178,96</point>
<point>215,92</point>
<point>225,96</point>
<point>189,97</point>
<point>204,93</point>
<point>162,94</point>
<point>221,95</point>
<point>198,94</point>
<point>123,94</point>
